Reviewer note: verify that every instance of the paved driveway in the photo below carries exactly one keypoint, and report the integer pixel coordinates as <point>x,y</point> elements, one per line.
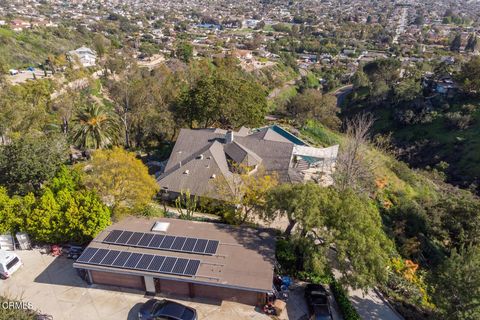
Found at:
<point>53,287</point>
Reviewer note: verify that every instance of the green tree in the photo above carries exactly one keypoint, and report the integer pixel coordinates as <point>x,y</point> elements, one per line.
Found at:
<point>94,127</point>
<point>299,203</point>
<point>66,211</point>
<point>226,96</point>
<point>245,191</point>
<point>28,162</point>
<point>11,212</point>
<point>184,51</point>
<point>456,43</point>
<point>458,217</point>
<point>472,44</point>
<point>121,180</point>
<point>458,285</point>
<point>407,90</point>
<point>360,80</point>
<point>312,104</point>
<point>343,220</point>
<point>469,76</point>
<point>383,75</point>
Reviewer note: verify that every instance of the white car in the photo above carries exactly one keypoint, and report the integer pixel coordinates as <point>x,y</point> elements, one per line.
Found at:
<point>9,263</point>
<point>13,72</point>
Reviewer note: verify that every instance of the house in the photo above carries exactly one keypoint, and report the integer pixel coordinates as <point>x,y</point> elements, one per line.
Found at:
<point>19,25</point>
<point>183,258</point>
<point>201,157</point>
<point>243,55</point>
<point>85,56</point>
<point>443,85</point>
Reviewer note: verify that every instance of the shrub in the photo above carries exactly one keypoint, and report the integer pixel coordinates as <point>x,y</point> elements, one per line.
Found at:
<point>456,120</point>
<point>346,307</point>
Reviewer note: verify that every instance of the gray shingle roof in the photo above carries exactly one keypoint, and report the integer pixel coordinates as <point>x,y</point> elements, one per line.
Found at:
<point>200,156</point>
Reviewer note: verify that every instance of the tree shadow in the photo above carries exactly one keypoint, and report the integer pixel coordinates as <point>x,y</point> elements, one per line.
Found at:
<point>261,240</point>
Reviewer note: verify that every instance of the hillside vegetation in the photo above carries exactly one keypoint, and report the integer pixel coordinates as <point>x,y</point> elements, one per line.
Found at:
<point>32,47</point>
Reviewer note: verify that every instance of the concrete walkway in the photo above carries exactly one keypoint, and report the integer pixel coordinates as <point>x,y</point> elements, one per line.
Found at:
<point>372,306</point>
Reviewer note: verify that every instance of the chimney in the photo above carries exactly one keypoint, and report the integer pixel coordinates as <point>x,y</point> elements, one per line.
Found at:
<point>229,137</point>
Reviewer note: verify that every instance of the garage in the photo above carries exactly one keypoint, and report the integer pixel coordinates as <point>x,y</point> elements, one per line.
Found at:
<point>180,258</point>
<point>118,280</point>
<point>221,293</point>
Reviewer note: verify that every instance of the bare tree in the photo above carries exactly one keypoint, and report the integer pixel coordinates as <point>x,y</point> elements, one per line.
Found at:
<point>354,169</point>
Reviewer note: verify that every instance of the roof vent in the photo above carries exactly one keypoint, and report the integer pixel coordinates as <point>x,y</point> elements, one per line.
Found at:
<point>200,157</point>
<point>186,171</point>
<point>160,226</point>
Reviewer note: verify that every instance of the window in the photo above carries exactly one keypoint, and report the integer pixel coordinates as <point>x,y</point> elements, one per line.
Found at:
<point>12,263</point>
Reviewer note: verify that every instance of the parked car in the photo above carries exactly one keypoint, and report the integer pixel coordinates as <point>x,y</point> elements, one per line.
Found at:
<point>155,309</point>
<point>317,301</point>
<point>9,263</point>
<point>13,72</point>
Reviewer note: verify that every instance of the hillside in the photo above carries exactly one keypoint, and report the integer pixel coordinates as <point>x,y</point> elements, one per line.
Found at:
<point>443,135</point>
<point>31,47</point>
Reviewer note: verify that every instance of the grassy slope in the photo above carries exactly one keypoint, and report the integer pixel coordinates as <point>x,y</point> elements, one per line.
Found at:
<point>400,178</point>
<point>31,47</point>
<point>459,148</point>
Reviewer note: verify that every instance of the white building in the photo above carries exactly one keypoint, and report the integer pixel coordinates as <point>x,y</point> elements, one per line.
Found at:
<point>86,56</point>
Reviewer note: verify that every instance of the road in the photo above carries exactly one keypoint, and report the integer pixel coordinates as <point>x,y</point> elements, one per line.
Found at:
<point>341,94</point>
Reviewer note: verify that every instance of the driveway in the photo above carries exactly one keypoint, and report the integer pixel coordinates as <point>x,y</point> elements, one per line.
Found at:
<point>53,287</point>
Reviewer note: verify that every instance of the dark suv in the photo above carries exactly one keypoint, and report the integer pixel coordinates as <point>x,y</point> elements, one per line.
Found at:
<point>317,301</point>
<point>155,309</point>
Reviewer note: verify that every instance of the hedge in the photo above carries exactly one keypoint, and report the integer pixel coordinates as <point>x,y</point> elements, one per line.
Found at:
<point>346,307</point>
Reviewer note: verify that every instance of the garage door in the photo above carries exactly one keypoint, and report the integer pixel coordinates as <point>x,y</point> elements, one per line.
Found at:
<point>117,279</point>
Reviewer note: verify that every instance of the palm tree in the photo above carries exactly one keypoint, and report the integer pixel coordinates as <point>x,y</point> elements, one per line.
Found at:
<point>95,127</point>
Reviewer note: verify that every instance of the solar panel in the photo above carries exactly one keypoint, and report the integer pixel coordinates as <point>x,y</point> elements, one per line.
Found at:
<point>135,238</point>
<point>121,259</point>
<point>200,246</point>
<point>87,254</point>
<point>167,242</point>
<point>144,262</point>
<point>133,260</point>
<point>211,247</point>
<point>192,268</point>
<point>178,243</point>
<point>156,263</point>
<point>156,241</point>
<point>110,257</point>
<point>180,266</point>
<point>147,237</point>
<point>189,244</point>
<point>162,242</point>
<point>113,236</point>
<point>124,237</point>
<point>168,264</point>
<point>138,261</point>
<point>98,257</point>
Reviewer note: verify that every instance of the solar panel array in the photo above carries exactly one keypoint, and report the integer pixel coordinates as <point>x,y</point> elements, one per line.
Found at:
<point>139,261</point>
<point>162,242</point>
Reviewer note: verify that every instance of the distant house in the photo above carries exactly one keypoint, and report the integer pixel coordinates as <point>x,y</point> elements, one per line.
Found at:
<point>86,56</point>
<point>19,25</point>
<point>201,157</point>
<point>245,55</point>
<point>250,23</point>
<point>443,85</point>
